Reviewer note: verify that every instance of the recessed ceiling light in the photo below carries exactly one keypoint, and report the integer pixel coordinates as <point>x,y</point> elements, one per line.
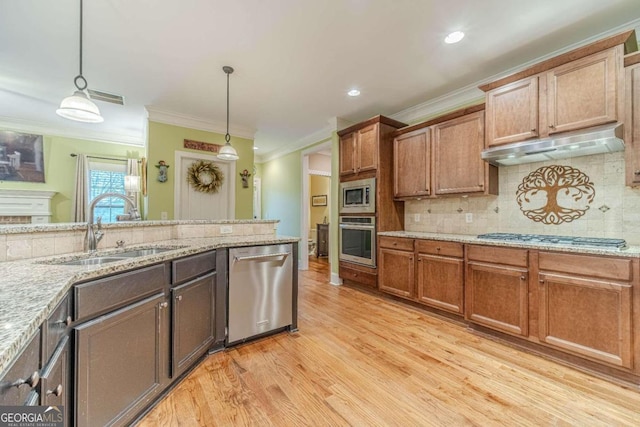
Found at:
<point>353,92</point>
<point>255,148</point>
<point>454,37</point>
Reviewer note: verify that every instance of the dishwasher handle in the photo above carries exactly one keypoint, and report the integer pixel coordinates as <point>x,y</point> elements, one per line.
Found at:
<point>250,257</point>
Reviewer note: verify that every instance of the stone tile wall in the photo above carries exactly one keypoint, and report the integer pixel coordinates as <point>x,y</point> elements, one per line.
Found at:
<point>614,212</point>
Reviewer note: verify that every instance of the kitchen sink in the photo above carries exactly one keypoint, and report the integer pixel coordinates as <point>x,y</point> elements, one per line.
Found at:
<point>143,252</point>
<point>93,261</point>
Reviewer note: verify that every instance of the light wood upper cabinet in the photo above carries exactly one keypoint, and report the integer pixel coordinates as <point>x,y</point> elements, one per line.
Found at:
<point>412,164</point>
<point>457,146</point>
<point>347,154</point>
<point>632,124</point>
<point>359,150</point>
<point>579,94</point>
<point>585,92</point>
<point>512,112</point>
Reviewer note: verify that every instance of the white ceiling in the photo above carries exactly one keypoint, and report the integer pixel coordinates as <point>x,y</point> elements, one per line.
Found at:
<point>294,59</point>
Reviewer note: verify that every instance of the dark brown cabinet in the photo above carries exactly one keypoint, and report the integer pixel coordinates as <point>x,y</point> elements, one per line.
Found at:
<point>19,384</point>
<point>193,320</point>
<point>496,288</point>
<point>322,235</point>
<point>119,362</point>
<point>441,275</point>
<point>56,380</point>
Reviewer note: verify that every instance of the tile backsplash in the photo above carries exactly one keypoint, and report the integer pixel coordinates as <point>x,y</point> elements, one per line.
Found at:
<point>614,212</point>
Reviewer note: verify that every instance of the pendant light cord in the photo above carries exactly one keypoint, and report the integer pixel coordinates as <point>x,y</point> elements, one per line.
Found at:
<point>80,80</point>
<point>227,137</point>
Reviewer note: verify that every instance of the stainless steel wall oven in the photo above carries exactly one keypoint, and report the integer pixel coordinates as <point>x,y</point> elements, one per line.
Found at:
<point>358,239</point>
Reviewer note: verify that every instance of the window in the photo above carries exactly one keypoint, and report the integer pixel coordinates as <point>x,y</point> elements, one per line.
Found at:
<point>107,178</point>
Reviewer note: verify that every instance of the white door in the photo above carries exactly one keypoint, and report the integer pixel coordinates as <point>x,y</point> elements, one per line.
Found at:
<point>192,204</point>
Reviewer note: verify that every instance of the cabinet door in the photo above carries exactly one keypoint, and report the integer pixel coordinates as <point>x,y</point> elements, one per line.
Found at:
<point>193,314</point>
<point>367,148</point>
<point>55,380</point>
<point>590,318</point>
<point>632,125</point>
<point>585,92</point>
<point>457,146</point>
<point>440,282</point>
<point>347,154</point>
<point>496,297</point>
<point>412,164</point>
<point>512,112</point>
<point>396,275</point>
<point>118,363</point>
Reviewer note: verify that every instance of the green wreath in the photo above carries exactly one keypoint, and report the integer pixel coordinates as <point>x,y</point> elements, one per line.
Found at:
<point>205,177</point>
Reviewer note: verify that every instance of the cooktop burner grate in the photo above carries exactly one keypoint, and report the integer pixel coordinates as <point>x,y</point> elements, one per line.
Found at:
<point>599,242</point>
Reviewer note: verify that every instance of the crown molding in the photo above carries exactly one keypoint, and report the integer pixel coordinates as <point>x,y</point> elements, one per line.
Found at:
<point>171,118</point>
<point>313,138</point>
<point>49,129</point>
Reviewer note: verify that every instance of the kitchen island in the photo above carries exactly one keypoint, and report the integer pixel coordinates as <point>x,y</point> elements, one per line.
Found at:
<point>32,290</point>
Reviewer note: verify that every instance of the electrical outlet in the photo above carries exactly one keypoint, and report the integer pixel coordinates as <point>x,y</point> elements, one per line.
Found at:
<point>416,217</point>
<point>226,229</point>
<point>468,217</point>
<point>163,216</point>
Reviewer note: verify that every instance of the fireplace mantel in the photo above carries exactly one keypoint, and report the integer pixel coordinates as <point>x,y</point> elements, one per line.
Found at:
<point>26,206</point>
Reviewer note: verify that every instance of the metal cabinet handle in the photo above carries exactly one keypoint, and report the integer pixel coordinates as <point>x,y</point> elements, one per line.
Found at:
<point>551,126</point>
<point>164,304</point>
<point>522,277</point>
<point>56,391</point>
<point>65,322</point>
<point>637,172</point>
<point>179,297</point>
<point>32,381</point>
<point>533,130</point>
<point>541,281</point>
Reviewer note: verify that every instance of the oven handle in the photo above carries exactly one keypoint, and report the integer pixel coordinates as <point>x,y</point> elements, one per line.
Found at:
<point>358,227</point>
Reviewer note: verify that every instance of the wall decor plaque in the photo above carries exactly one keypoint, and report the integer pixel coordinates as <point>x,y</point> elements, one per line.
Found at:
<point>555,194</point>
<point>202,146</point>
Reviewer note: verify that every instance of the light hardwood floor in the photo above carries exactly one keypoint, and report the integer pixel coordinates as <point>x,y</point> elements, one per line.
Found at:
<point>365,361</point>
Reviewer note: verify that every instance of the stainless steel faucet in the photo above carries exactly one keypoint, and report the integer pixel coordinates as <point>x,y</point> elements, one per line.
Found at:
<point>94,236</point>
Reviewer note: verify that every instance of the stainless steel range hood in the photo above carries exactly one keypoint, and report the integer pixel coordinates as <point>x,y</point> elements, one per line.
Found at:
<point>595,140</point>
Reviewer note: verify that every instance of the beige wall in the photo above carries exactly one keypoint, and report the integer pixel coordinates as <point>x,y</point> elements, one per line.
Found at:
<point>614,212</point>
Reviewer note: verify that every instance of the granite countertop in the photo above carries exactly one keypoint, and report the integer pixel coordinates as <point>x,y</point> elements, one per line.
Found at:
<point>30,289</point>
<point>629,252</point>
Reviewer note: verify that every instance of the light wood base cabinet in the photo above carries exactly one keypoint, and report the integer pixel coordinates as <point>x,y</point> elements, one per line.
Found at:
<point>496,293</point>
<point>440,280</point>
<point>396,272</point>
<point>586,306</point>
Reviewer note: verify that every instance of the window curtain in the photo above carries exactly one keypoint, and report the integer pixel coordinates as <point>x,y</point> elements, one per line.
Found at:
<point>133,170</point>
<point>81,190</point>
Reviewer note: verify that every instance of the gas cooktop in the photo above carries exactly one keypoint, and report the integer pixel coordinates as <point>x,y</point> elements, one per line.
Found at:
<point>557,240</point>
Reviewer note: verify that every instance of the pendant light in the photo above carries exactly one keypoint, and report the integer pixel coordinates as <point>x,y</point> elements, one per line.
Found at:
<point>78,106</point>
<point>227,152</point>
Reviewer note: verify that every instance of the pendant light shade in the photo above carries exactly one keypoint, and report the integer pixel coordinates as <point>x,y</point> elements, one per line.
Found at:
<point>78,106</point>
<point>227,152</point>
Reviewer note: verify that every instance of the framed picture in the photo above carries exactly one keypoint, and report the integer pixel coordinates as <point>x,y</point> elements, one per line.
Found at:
<point>21,157</point>
<point>319,200</point>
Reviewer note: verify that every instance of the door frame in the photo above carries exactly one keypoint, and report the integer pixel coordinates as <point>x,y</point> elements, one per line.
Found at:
<point>179,155</point>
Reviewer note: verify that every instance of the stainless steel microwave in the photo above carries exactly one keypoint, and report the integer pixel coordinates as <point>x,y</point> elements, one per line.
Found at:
<point>358,197</point>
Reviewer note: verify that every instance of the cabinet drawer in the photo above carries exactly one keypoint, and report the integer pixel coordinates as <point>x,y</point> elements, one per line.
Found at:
<point>435,247</point>
<point>398,243</point>
<point>100,296</point>
<point>55,327</point>
<point>26,366</point>
<point>359,276</point>
<point>585,265</point>
<point>498,255</point>
<point>193,266</point>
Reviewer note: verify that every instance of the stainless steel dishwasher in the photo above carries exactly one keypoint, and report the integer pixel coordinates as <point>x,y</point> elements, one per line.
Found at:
<point>261,291</point>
